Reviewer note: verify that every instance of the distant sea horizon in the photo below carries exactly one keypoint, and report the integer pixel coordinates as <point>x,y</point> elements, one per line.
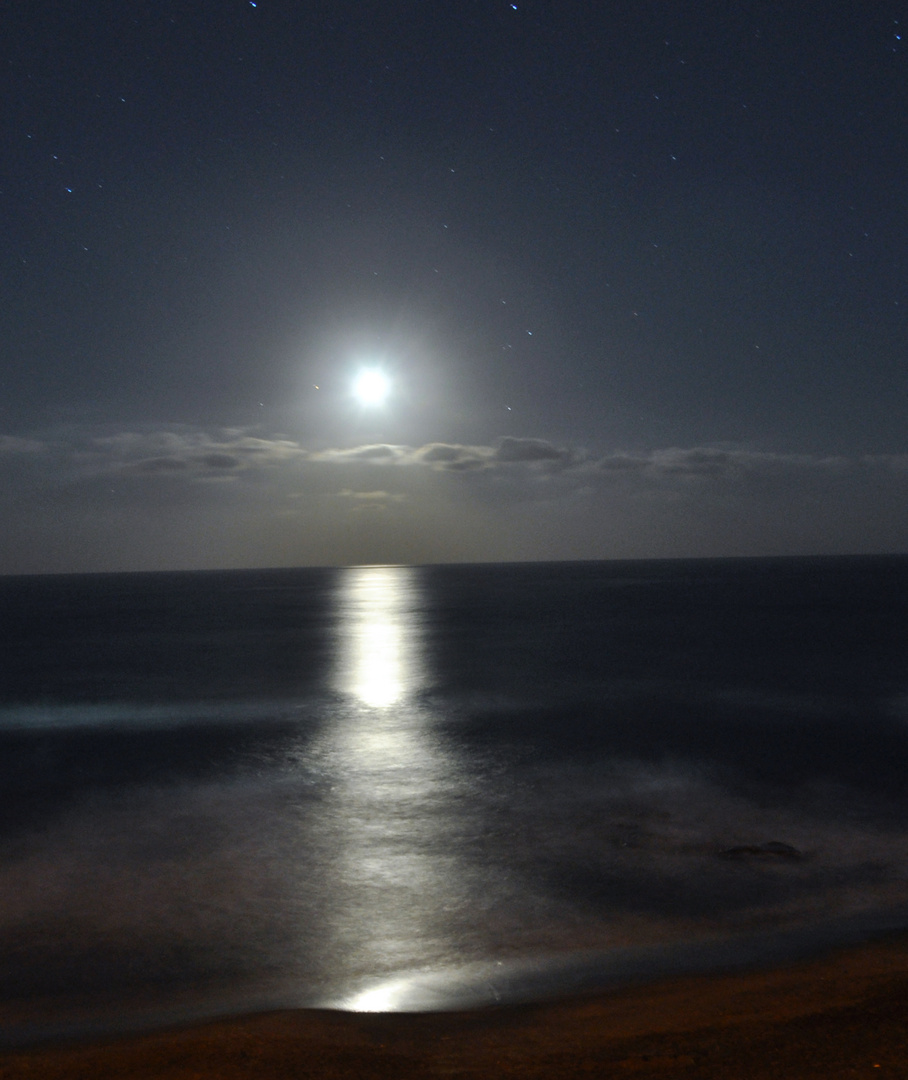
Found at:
<point>584,560</point>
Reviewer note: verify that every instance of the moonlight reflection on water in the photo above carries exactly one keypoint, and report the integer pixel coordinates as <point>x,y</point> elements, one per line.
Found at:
<point>395,884</point>
<point>421,786</point>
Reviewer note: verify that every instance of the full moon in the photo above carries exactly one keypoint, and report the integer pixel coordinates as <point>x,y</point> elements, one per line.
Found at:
<point>371,387</point>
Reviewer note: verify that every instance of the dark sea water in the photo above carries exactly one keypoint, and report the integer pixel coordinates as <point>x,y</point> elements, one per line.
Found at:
<point>402,788</point>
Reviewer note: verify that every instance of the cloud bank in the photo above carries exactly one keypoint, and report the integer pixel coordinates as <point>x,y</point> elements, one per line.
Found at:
<point>192,497</point>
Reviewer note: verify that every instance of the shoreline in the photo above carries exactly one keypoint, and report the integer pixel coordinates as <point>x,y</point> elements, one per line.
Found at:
<point>478,985</point>
<point>842,1015</point>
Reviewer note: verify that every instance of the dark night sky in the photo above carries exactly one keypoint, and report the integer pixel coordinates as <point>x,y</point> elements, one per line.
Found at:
<point>637,273</point>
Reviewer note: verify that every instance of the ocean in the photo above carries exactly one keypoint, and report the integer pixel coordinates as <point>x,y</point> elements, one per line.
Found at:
<point>400,788</point>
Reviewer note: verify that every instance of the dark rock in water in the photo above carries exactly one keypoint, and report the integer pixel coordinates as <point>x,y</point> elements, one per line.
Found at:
<point>774,850</point>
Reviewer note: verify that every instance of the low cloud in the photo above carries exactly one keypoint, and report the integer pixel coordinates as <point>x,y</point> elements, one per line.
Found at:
<point>511,498</point>
<point>379,452</point>
<point>183,450</point>
<point>11,445</point>
<point>453,457</point>
<point>660,466</point>
<point>188,454</point>
<point>159,465</point>
<point>370,496</point>
<point>533,450</point>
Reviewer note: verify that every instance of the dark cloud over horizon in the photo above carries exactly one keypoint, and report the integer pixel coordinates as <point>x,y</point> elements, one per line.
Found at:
<point>188,497</point>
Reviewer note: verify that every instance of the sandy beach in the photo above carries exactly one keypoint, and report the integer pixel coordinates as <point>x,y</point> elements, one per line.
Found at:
<point>845,1015</point>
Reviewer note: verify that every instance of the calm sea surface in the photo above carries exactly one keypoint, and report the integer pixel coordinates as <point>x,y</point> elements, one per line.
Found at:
<point>398,788</point>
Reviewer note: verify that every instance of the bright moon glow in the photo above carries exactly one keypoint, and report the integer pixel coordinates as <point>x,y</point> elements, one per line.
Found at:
<point>371,387</point>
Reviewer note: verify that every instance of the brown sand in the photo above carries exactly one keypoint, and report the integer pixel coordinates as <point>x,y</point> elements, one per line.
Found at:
<point>843,1016</point>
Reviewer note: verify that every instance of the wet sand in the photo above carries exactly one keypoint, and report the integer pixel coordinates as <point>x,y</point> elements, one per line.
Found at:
<point>845,1015</point>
